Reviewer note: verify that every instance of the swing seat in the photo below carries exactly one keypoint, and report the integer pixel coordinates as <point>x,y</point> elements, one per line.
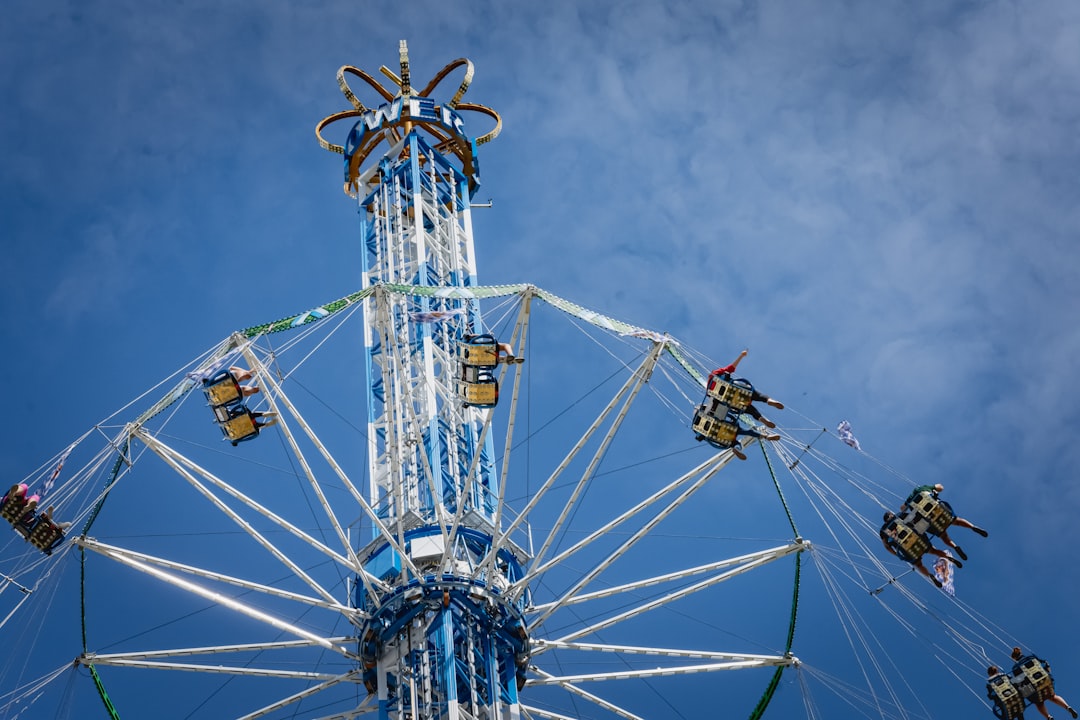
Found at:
<point>478,351</point>
<point>736,393</point>
<point>1033,680</point>
<point>20,511</point>
<point>477,385</point>
<point>719,432</point>
<point>237,423</point>
<point>45,534</point>
<point>1008,702</point>
<point>222,389</point>
<point>481,391</point>
<point>910,545</point>
<point>928,514</point>
<point>14,504</point>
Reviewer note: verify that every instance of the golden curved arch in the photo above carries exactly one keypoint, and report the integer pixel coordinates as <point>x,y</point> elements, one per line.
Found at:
<point>402,87</point>
<point>485,110</point>
<point>441,75</point>
<point>330,119</point>
<point>347,91</point>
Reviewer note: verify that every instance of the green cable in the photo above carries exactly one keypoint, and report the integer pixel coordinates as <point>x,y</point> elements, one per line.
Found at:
<point>120,460</point>
<point>776,484</point>
<point>82,582</point>
<point>774,683</point>
<point>104,695</point>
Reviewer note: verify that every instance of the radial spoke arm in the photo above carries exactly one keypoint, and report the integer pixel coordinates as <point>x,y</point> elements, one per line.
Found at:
<point>629,390</point>
<point>366,577</point>
<point>548,678</point>
<point>224,669</point>
<point>208,650</point>
<point>231,603</point>
<point>762,559</point>
<point>274,396</point>
<point>639,534</point>
<point>531,712</point>
<point>297,697</point>
<point>182,465</point>
<point>535,571</point>
<point>116,553</point>
<point>661,672</point>
<point>558,471</point>
<point>657,580</point>
<point>663,652</point>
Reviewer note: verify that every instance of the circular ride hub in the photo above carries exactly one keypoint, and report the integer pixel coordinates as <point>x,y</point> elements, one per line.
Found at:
<point>444,636</point>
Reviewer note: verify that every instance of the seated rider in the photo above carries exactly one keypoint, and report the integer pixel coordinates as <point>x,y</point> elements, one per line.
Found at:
<point>18,509</point>
<point>737,448</point>
<point>723,431</point>
<point>727,372</point>
<point>958,521</point>
<point>506,355</point>
<point>1019,660</point>
<point>240,375</point>
<point>259,423</point>
<point>888,534</point>
<point>46,534</point>
<point>17,495</point>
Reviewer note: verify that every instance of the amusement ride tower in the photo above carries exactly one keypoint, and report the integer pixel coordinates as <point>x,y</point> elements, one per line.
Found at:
<point>444,638</point>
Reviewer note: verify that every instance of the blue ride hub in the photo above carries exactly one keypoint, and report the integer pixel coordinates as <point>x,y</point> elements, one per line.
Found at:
<point>462,635</point>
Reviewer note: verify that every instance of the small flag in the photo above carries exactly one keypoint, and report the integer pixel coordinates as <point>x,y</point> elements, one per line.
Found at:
<point>211,370</point>
<point>943,571</point>
<point>844,430</point>
<point>431,316</point>
<point>56,471</point>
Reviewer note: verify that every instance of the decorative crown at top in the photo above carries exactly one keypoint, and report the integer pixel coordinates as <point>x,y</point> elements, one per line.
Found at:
<point>403,111</point>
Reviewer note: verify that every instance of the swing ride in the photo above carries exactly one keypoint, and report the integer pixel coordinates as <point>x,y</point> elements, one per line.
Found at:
<point>522,525</point>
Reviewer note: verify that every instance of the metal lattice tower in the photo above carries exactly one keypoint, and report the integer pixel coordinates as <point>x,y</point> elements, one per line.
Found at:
<point>442,640</point>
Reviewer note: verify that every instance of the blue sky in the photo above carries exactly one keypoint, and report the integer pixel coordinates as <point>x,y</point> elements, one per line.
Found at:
<point>878,199</point>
